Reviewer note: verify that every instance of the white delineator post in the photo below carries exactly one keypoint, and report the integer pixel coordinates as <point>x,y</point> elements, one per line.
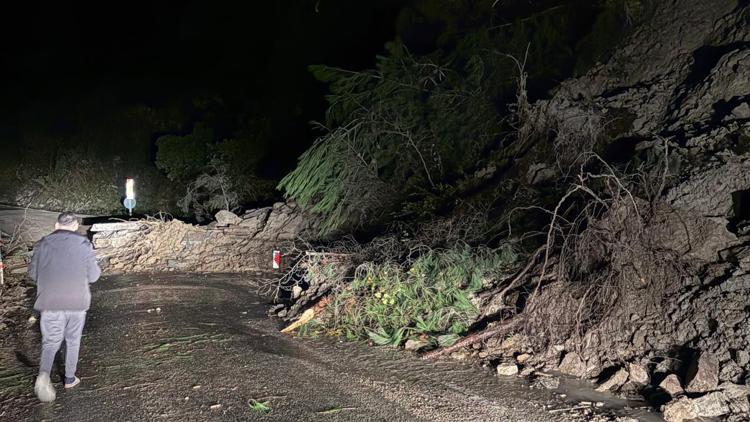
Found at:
<point>129,201</point>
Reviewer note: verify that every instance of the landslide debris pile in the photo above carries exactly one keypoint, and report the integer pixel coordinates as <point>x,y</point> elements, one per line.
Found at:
<point>640,279</point>
<point>231,244</point>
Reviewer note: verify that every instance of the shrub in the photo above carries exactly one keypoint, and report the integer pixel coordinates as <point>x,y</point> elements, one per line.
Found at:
<point>183,157</point>
<point>72,183</point>
<point>429,299</point>
<point>401,130</point>
<point>210,191</point>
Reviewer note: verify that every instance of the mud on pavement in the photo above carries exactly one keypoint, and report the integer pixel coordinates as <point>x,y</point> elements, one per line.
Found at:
<point>196,348</point>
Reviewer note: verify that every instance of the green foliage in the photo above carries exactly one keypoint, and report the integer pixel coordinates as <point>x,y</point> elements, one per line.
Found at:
<point>183,157</point>
<point>260,406</point>
<point>398,130</point>
<point>74,182</point>
<point>215,175</point>
<point>432,299</point>
<point>210,191</point>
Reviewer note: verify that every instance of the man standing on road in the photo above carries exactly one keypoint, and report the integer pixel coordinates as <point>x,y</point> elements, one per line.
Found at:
<point>63,266</point>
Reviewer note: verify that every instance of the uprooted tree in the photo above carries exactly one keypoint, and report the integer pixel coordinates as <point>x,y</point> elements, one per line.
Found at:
<point>396,140</point>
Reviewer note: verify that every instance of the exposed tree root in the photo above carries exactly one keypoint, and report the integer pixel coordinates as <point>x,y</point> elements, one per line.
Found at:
<point>485,334</point>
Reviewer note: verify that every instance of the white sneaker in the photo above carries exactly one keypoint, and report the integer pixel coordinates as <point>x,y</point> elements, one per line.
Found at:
<point>73,383</point>
<point>44,389</point>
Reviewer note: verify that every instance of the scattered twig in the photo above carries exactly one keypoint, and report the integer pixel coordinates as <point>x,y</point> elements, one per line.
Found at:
<point>334,409</point>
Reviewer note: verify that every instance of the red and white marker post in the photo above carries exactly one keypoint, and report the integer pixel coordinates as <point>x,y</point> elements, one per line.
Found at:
<point>276,260</point>
<point>2,268</point>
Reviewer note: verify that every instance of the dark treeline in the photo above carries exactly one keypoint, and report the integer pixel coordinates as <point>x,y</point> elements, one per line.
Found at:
<point>185,98</point>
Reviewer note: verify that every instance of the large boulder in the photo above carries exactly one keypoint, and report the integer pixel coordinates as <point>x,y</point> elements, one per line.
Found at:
<point>671,384</point>
<point>703,374</point>
<point>708,406</point>
<point>572,364</point>
<point>507,369</point>
<point>286,222</point>
<point>227,218</point>
<point>256,219</point>
<point>679,410</point>
<point>737,397</point>
<point>614,382</point>
<point>638,375</point>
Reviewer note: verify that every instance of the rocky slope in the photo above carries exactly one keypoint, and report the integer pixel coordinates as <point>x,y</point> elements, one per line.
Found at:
<point>681,80</point>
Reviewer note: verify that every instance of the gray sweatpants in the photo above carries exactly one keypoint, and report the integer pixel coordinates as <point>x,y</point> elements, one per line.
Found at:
<point>58,326</point>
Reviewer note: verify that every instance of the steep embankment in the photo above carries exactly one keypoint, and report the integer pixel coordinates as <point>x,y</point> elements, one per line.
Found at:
<point>677,281</point>
<point>643,279</point>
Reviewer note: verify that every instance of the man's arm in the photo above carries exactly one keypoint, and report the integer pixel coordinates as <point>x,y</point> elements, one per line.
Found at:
<point>92,267</point>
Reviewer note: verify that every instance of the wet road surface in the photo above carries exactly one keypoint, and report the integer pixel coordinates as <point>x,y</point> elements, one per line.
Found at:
<point>30,223</point>
<point>196,348</point>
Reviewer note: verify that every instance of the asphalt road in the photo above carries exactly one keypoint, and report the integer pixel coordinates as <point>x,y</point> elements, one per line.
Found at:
<point>32,224</point>
<point>198,348</point>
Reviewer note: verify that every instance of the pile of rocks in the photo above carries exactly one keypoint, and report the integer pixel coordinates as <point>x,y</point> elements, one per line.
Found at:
<point>700,395</point>
<point>231,244</point>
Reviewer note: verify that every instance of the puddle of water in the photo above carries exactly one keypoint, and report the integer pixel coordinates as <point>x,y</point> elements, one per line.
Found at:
<point>577,391</point>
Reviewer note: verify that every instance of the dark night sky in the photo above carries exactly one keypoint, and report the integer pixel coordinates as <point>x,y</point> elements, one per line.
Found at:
<point>58,49</point>
<point>59,53</point>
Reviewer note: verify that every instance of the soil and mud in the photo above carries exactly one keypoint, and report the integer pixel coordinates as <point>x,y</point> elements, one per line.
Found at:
<point>192,347</point>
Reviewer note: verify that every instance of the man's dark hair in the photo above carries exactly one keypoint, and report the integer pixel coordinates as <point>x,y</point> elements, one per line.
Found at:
<point>67,219</point>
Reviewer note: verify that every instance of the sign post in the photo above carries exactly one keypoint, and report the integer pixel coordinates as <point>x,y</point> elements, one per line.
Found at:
<point>129,201</point>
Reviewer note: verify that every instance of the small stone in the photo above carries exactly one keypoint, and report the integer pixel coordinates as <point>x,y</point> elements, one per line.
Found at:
<point>507,369</point>
<point>742,111</point>
<point>599,404</point>
<point>32,319</point>
<point>550,383</point>
<point>527,372</point>
<point>197,387</point>
<point>460,355</point>
<point>730,371</point>
<point>414,345</point>
<point>523,357</point>
<point>671,384</point>
<point>216,406</point>
<point>296,292</point>
<point>614,382</point>
<point>743,358</point>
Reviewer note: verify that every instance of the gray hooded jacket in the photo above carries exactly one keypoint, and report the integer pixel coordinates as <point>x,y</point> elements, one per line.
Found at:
<point>63,266</point>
